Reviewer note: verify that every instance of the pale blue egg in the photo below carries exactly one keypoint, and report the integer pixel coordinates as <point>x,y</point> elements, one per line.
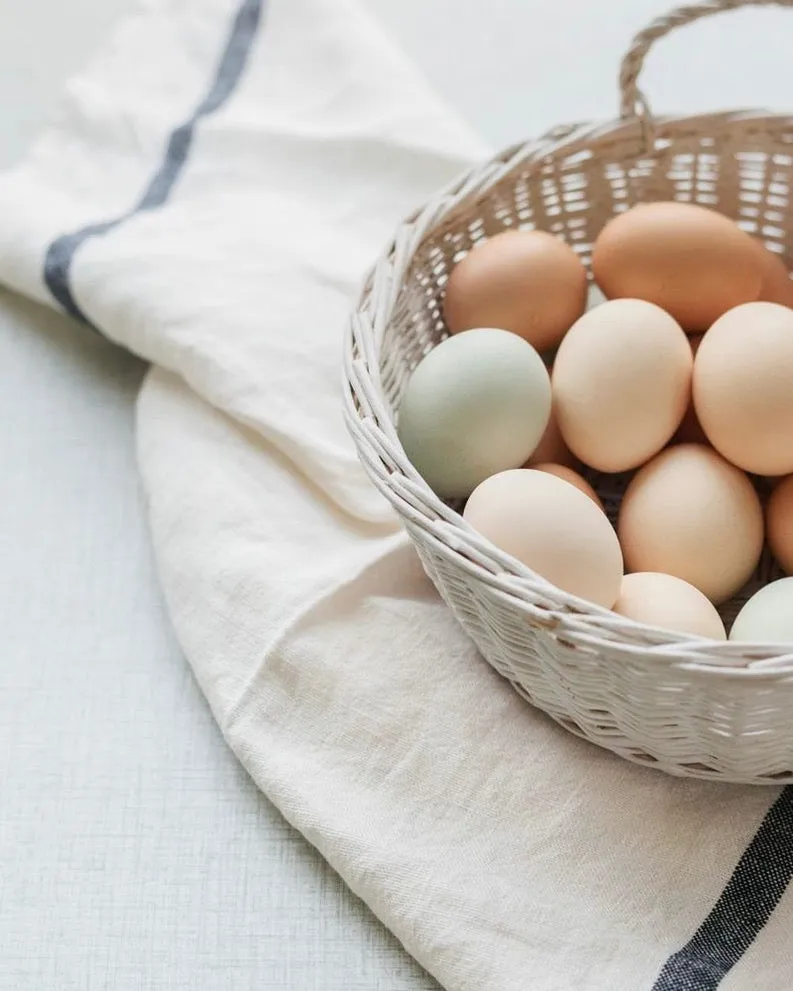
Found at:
<point>768,616</point>
<point>477,404</point>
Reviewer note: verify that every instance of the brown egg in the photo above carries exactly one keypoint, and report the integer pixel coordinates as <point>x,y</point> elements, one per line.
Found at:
<point>779,523</point>
<point>621,383</point>
<point>563,472</point>
<point>690,430</point>
<point>777,286</point>
<point>552,448</point>
<point>694,263</point>
<point>669,604</point>
<point>529,282</point>
<point>743,387</point>
<point>691,514</point>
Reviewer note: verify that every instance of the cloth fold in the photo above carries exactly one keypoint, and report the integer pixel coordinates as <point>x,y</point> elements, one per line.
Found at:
<point>219,180</point>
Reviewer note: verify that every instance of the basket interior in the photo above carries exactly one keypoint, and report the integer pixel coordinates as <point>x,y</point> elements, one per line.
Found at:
<point>744,171</point>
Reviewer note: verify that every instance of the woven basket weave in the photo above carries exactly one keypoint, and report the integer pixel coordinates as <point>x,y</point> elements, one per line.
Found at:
<point>689,707</point>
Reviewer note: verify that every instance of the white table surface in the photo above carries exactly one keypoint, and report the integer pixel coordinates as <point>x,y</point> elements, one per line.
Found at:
<point>136,854</point>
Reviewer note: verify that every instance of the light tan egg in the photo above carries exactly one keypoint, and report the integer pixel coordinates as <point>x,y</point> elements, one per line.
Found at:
<point>529,282</point>
<point>743,387</point>
<point>779,523</point>
<point>668,603</point>
<point>693,262</point>
<point>621,383</point>
<point>553,528</point>
<point>562,471</point>
<point>691,514</point>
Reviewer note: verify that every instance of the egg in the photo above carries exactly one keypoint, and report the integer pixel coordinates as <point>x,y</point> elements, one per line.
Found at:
<point>779,523</point>
<point>529,282</point>
<point>552,448</point>
<point>768,616</point>
<point>743,387</point>
<point>477,404</point>
<point>621,383</point>
<point>776,285</point>
<point>670,604</point>
<point>551,527</point>
<point>691,514</point>
<point>693,262</point>
<point>562,471</point>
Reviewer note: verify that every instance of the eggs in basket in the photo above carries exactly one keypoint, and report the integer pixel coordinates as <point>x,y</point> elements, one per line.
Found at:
<point>674,387</point>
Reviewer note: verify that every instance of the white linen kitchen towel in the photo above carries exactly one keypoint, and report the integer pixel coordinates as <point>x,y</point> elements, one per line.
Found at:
<point>218,181</point>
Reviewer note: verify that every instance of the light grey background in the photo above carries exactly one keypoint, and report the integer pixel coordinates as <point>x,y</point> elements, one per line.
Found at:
<point>135,853</point>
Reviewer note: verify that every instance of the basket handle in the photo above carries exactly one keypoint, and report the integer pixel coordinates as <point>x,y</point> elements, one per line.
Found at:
<point>633,103</point>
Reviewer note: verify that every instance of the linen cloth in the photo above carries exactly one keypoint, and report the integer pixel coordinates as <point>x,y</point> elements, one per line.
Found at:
<point>218,181</point>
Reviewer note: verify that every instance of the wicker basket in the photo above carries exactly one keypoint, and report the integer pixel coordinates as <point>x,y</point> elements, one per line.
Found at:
<point>689,707</point>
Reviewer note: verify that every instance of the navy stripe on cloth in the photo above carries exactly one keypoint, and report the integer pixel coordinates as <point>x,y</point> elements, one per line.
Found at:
<point>60,254</point>
<point>751,895</point>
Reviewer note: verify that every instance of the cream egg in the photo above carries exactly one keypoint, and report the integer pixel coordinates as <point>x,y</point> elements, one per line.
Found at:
<point>668,603</point>
<point>553,528</point>
<point>621,384</point>
<point>477,404</point>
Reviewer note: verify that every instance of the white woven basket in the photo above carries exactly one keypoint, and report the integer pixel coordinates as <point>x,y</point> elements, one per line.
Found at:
<point>696,708</point>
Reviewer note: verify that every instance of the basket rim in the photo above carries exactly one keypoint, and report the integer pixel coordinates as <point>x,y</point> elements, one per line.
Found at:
<point>369,422</point>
